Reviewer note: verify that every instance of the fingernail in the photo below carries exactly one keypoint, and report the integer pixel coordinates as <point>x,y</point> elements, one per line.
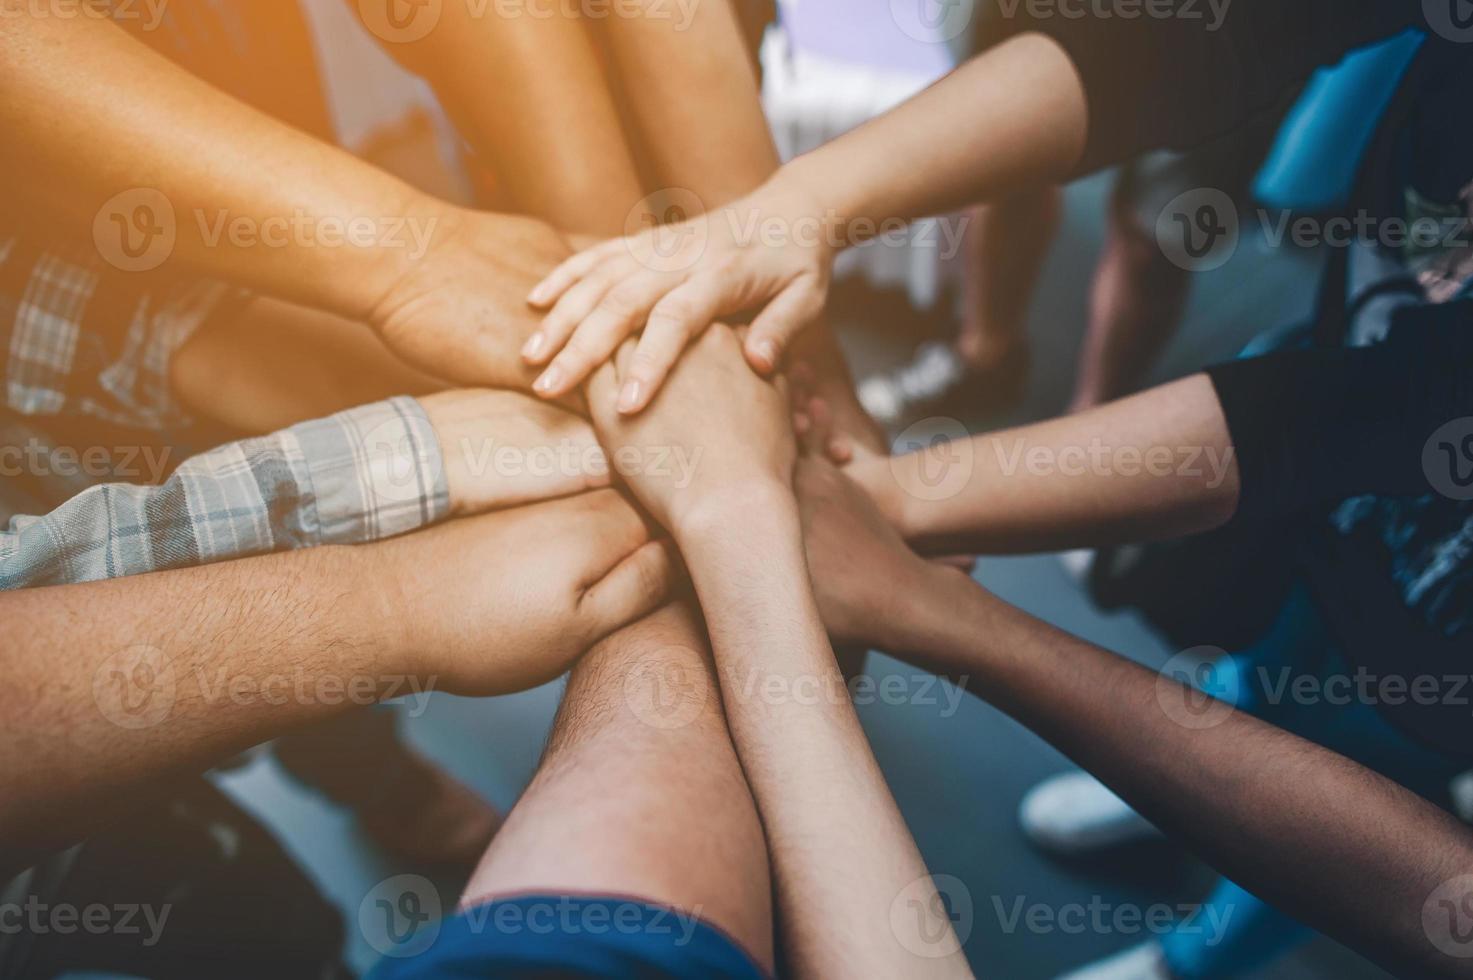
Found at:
<point>767,354</point>
<point>550,381</point>
<point>538,296</point>
<point>534,347</point>
<point>801,424</point>
<point>629,398</point>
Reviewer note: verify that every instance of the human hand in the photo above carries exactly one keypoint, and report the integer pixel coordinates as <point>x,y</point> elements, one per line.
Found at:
<point>504,602</point>
<point>504,449</point>
<point>867,580</point>
<point>717,435</point>
<point>673,281</point>
<point>459,312</point>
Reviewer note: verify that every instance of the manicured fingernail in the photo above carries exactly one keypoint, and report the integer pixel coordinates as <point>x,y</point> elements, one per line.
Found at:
<point>534,347</point>
<point>767,354</point>
<point>551,380</point>
<point>538,296</point>
<point>629,398</point>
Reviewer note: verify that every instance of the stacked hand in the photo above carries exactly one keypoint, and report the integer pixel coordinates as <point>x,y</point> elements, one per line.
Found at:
<point>767,253</point>
<point>458,311</point>
<point>728,424</point>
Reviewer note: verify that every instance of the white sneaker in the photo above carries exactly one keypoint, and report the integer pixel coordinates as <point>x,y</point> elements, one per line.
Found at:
<point>928,378</point>
<point>1144,962</point>
<point>1075,813</point>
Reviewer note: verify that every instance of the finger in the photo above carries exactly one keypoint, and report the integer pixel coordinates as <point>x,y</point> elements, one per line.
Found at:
<point>625,308</point>
<point>570,271</point>
<point>816,439</point>
<point>564,318</point>
<point>779,322</point>
<point>840,450</point>
<point>636,587</point>
<point>603,386</point>
<point>583,354</point>
<point>684,313</point>
<point>800,375</point>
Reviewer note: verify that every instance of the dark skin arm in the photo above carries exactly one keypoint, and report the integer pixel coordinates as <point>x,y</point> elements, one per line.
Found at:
<point>1323,838</point>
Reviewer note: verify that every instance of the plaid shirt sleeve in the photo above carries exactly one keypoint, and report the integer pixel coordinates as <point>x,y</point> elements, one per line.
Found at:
<point>359,476</point>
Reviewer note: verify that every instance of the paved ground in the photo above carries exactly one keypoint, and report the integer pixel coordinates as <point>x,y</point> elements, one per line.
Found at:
<point>958,775</point>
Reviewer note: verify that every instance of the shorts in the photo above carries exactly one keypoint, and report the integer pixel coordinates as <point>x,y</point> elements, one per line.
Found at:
<point>536,936</point>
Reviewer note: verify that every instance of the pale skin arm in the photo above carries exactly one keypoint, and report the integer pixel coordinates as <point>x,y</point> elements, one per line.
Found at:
<point>113,137</point>
<point>1154,466</point>
<point>117,686</point>
<point>93,112</point>
<point>842,855</point>
<point>1014,116</point>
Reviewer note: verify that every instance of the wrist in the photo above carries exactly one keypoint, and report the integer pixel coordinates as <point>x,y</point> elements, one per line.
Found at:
<point>795,194</point>
<point>370,579</point>
<point>880,480</point>
<point>748,506</point>
<point>430,228</point>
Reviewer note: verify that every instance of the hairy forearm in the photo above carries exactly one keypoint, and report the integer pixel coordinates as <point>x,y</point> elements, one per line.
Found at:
<point>92,114</point>
<point>116,686</point>
<point>818,787</point>
<point>1157,465</point>
<point>1321,837</point>
<point>1014,116</point>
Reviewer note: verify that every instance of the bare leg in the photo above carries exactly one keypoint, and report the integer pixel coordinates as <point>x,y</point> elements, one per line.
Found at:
<point>529,93</point>
<point>1135,306</point>
<point>640,792</point>
<point>1007,244</point>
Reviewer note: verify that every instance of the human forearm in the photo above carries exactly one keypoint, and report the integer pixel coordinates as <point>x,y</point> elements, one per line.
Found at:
<point>1328,841</point>
<point>252,199</point>
<point>1157,465</point>
<point>116,686</point>
<point>1015,115</point>
<point>818,787</point>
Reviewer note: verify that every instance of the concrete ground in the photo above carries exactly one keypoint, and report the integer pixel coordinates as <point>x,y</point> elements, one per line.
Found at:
<point>958,774</point>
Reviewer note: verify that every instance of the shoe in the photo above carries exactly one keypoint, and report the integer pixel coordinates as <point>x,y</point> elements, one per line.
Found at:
<point>932,374</point>
<point>1075,813</point>
<point>1078,564</point>
<point>1144,962</point>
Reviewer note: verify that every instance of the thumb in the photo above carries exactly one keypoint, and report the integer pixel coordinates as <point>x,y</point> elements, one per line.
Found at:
<point>634,588</point>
